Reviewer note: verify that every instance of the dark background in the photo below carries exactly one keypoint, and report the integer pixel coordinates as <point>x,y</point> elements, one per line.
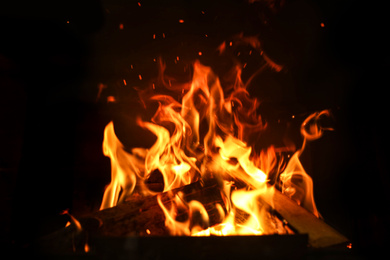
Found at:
<point>52,118</point>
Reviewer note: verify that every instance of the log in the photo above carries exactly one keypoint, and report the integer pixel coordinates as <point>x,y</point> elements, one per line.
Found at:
<point>320,234</point>
<point>137,216</point>
<point>140,215</point>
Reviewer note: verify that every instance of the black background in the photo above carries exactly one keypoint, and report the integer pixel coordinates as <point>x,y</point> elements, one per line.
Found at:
<point>52,120</point>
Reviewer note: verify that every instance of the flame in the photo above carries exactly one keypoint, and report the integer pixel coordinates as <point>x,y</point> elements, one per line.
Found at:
<point>212,138</point>
<point>296,183</point>
<point>124,169</point>
<point>76,223</point>
<point>189,226</point>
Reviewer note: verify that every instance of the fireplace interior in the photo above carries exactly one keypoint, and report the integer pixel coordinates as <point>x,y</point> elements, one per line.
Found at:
<point>69,68</point>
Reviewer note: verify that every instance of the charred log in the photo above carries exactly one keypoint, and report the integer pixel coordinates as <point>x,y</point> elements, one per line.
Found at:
<point>320,234</point>
<point>139,213</point>
<point>137,216</point>
<point>141,216</point>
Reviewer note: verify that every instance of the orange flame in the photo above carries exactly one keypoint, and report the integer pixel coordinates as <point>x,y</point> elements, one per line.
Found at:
<point>213,127</point>
<point>297,184</point>
<point>123,169</point>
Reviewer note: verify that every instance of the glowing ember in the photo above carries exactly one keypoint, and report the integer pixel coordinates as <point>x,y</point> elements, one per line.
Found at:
<point>111,99</point>
<point>210,140</point>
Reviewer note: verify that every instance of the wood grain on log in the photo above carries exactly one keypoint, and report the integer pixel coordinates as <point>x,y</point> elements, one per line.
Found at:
<point>142,216</point>
<point>141,213</point>
<point>320,234</point>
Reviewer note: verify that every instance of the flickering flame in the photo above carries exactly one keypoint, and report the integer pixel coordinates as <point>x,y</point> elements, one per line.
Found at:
<point>73,219</point>
<point>213,128</point>
<point>301,189</point>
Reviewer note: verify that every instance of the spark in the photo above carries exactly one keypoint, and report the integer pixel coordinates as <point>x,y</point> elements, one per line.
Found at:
<point>200,53</point>
<point>181,21</point>
<point>86,248</point>
<point>124,82</point>
<point>139,76</point>
<point>322,25</point>
<point>121,26</point>
<point>111,99</point>
<point>139,4</point>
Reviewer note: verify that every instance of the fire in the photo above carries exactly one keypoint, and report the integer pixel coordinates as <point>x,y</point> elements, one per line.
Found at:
<point>213,127</point>
<point>73,219</point>
<point>301,189</point>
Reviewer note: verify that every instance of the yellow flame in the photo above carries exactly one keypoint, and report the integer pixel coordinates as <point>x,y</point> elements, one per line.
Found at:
<point>73,219</point>
<point>296,183</point>
<point>123,169</point>
<point>221,151</point>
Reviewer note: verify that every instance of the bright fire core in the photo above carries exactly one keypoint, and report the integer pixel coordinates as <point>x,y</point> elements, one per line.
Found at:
<point>206,134</point>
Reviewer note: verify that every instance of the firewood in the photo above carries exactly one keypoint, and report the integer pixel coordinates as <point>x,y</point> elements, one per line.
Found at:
<point>320,234</point>
<point>137,216</point>
<point>141,215</point>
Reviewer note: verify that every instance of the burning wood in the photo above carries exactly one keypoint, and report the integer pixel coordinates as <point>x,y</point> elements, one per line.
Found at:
<point>213,182</point>
<point>207,134</point>
<point>140,215</point>
<point>320,234</point>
